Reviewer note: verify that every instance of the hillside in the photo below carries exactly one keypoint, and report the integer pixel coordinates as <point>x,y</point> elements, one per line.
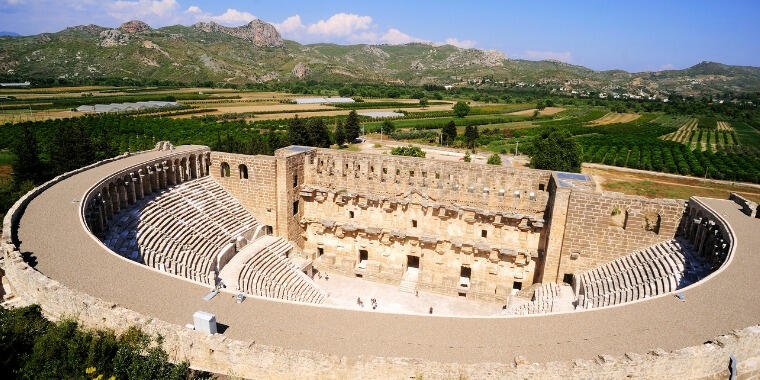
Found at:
<point>256,53</point>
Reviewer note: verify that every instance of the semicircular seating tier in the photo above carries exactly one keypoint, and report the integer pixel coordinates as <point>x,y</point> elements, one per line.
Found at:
<point>655,270</point>
<point>196,229</point>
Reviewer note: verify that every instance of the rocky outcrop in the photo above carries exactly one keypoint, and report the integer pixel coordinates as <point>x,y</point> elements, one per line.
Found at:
<point>262,34</point>
<point>134,26</point>
<point>300,71</point>
<point>493,58</point>
<point>89,29</point>
<point>112,37</point>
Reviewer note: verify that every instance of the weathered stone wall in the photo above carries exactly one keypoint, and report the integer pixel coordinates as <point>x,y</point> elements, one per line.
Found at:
<point>290,174</point>
<point>478,185</point>
<point>602,227</point>
<point>445,238</point>
<point>556,218</point>
<point>257,193</point>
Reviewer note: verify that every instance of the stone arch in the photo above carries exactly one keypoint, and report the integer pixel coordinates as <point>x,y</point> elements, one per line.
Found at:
<point>225,170</point>
<point>652,222</point>
<point>243,171</point>
<point>619,217</point>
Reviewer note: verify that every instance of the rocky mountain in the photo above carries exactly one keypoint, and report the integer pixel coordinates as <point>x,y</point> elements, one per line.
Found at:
<point>256,31</point>
<point>256,52</point>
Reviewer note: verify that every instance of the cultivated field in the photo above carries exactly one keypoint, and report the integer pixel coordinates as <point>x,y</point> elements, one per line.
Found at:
<point>615,118</point>
<point>725,126</point>
<point>545,111</point>
<point>690,134</point>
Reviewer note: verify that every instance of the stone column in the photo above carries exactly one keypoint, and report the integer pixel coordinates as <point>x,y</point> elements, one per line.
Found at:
<point>161,173</point>
<point>137,180</point>
<point>170,177</point>
<point>122,189</point>
<point>105,198</point>
<point>154,178</point>
<point>114,199</point>
<point>131,197</point>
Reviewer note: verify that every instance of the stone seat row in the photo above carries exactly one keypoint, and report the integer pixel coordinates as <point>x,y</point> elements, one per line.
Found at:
<point>658,269</point>
<point>270,273</point>
<point>181,229</point>
<point>543,301</point>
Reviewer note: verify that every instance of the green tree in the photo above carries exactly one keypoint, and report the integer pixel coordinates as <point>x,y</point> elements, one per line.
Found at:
<point>423,102</point>
<point>318,134</point>
<point>467,157</point>
<point>27,165</point>
<point>413,151</point>
<point>540,104</point>
<point>388,127</point>
<point>461,109</point>
<point>346,91</point>
<point>340,133</point>
<point>449,132</point>
<point>494,159</point>
<point>555,149</point>
<point>297,132</point>
<point>470,135</point>
<point>352,126</point>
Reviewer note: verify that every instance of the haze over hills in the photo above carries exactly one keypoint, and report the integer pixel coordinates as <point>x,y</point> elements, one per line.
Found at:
<point>256,52</point>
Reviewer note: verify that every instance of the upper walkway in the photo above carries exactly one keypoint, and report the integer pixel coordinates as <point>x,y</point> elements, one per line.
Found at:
<point>51,230</point>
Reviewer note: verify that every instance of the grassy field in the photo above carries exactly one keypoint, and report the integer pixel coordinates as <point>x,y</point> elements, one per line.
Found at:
<point>6,157</point>
<point>651,186</point>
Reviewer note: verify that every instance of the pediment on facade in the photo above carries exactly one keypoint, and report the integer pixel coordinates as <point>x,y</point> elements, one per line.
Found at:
<point>415,195</point>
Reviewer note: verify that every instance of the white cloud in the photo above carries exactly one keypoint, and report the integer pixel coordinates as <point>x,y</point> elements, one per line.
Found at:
<point>395,37</point>
<point>290,26</point>
<point>464,44</point>
<point>668,66</point>
<point>565,56</point>
<point>340,25</point>
<point>233,17</point>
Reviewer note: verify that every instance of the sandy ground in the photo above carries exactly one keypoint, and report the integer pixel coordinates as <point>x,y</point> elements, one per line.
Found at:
<point>545,111</point>
<point>344,292</point>
<point>614,117</point>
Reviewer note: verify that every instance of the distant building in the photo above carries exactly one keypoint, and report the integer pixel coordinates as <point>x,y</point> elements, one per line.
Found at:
<point>322,100</point>
<point>125,107</point>
<point>17,84</point>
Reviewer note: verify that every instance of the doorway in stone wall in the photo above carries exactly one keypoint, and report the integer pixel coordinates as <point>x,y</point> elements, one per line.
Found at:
<point>412,262</point>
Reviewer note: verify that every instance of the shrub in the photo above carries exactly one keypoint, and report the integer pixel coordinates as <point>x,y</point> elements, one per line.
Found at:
<point>494,159</point>
<point>413,151</point>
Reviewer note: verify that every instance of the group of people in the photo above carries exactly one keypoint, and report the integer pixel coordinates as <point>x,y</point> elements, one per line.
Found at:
<point>373,300</point>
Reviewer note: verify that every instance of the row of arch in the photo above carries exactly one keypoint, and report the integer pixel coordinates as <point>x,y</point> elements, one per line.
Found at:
<point>123,189</point>
<point>226,172</point>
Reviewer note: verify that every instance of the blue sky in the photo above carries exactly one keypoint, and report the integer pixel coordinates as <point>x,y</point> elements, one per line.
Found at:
<point>629,35</point>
